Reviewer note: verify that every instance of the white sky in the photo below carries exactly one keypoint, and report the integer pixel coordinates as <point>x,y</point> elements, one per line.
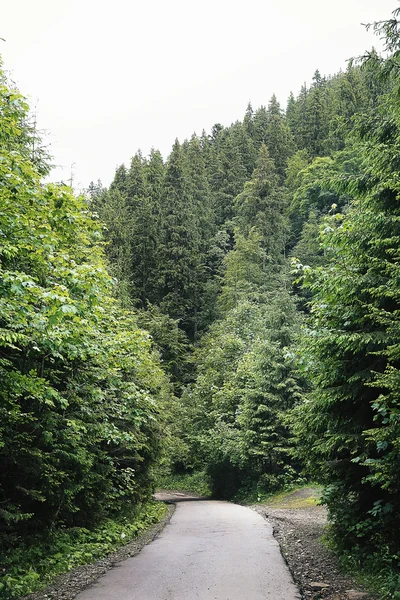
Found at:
<point>109,77</point>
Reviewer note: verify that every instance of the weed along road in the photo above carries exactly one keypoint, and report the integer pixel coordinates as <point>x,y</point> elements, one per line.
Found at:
<point>210,550</point>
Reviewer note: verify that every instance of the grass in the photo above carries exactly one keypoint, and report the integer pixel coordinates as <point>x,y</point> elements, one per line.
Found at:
<point>299,497</point>
<point>379,573</point>
<point>194,483</point>
<point>35,563</point>
<point>292,496</point>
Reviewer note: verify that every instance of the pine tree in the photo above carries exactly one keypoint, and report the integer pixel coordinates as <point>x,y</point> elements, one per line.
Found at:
<point>135,186</point>
<point>180,244</point>
<point>278,138</point>
<point>261,206</point>
<point>119,182</point>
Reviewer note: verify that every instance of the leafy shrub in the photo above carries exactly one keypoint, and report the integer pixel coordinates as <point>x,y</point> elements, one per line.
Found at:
<point>36,560</point>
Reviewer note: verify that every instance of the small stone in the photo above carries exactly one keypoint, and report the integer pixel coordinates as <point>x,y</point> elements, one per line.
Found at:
<point>354,595</point>
<point>317,585</point>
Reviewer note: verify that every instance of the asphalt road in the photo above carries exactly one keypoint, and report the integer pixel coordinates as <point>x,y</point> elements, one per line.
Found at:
<point>210,550</point>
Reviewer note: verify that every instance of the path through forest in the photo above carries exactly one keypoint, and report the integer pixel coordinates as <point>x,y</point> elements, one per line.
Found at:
<point>210,550</point>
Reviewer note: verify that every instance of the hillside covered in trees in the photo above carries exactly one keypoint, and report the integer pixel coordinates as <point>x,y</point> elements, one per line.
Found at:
<point>232,312</point>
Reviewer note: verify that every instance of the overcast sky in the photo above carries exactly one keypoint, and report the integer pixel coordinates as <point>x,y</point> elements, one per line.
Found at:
<point>109,77</point>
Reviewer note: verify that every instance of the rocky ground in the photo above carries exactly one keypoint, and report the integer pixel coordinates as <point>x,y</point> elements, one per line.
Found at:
<point>298,524</point>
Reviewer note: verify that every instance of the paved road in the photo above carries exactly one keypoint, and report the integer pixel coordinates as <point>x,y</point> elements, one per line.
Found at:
<point>209,551</point>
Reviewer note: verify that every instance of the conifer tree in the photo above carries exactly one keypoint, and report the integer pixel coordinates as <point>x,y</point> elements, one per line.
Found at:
<point>261,206</point>
<point>248,121</point>
<point>119,182</point>
<point>260,126</point>
<point>227,176</point>
<point>299,119</point>
<point>291,112</point>
<point>278,137</point>
<point>135,185</point>
<point>204,292</point>
<point>244,143</point>
<point>180,244</point>
<point>317,118</point>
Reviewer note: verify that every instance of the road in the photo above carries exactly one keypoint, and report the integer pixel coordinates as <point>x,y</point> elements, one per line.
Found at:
<point>210,550</point>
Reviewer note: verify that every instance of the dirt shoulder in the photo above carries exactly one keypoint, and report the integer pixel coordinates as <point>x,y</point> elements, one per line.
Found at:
<point>298,524</point>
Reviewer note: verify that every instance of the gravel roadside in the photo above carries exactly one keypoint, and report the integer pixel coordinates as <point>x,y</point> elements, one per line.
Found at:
<point>298,527</point>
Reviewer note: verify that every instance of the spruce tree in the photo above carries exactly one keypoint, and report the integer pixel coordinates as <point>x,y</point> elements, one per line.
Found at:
<point>119,182</point>
<point>180,243</point>
<point>261,206</point>
<point>278,137</point>
<point>135,186</point>
<point>227,176</point>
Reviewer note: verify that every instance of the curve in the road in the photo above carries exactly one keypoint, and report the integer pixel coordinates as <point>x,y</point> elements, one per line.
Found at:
<point>210,550</point>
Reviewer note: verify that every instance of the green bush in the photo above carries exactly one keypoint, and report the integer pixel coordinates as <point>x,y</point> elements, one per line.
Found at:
<point>36,560</point>
<point>195,483</point>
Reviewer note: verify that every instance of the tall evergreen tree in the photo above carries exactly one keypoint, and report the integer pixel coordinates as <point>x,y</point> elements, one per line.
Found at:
<point>278,137</point>
<point>227,177</point>
<point>261,206</point>
<point>135,185</point>
<point>119,182</point>
<point>180,258</point>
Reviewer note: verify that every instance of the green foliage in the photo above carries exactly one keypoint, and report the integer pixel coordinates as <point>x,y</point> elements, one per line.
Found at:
<point>191,483</point>
<point>227,174</point>
<point>170,341</point>
<point>350,424</point>
<point>312,192</point>
<point>261,205</point>
<point>278,138</point>
<point>18,128</point>
<point>322,116</point>
<point>82,393</point>
<point>35,562</point>
<point>235,412</point>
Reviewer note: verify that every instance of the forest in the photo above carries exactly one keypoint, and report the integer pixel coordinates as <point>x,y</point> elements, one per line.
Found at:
<point>230,314</point>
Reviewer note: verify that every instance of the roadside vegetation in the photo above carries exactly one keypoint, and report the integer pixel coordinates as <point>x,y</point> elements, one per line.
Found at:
<point>191,483</point>
<point>39,559</point>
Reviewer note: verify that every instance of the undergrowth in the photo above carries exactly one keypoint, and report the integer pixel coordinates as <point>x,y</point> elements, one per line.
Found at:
<point>378,572</point>
<point>35,562</point>
<point>253,493</point>
<point>195,483</point>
